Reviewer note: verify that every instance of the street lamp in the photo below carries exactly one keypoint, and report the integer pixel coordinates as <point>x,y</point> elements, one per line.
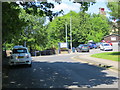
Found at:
<point>66,31</point>
<point>70,33</point>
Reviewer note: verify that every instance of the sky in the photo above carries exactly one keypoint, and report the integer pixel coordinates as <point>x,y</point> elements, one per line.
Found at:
<point>67,6</point>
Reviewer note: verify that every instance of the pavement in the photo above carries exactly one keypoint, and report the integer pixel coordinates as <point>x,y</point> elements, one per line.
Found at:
<point>97,61</point>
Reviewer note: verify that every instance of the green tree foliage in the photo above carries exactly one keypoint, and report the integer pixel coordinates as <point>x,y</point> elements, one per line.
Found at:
<point>34,34</point>
<point>99,27</point>
<point>26,24</point>
<point>11,24</point>
<point>114,7</point>
<point>84,27</point>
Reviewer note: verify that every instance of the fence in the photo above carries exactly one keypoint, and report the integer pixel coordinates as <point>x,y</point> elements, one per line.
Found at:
<point>45,52</point>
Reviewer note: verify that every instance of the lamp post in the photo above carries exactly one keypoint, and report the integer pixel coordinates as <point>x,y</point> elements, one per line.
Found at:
<point>70,33</point>
<point>66,32</point>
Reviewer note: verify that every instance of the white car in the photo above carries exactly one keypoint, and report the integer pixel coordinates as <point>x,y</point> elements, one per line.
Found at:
<point>20,55</point>
<point>106,46</point>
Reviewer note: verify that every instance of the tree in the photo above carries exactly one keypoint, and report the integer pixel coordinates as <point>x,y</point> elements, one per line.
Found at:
<point>84,27</point>
<point>99,27</point>
<point>11,22</point>
<point>113,6</point>
<point>34,34</point>
<point>56,32</point>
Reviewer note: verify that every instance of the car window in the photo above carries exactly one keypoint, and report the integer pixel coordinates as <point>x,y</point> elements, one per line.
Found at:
<point>90,43</point>
<point>19,51</point>
<point>85,45</point>
<point>106,45</point>
<point>80,45</point>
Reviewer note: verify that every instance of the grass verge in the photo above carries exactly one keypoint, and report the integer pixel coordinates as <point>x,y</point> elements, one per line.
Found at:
<point>114,56</point>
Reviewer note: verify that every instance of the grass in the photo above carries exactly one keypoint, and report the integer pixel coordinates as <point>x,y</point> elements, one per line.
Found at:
<point>114,56</point>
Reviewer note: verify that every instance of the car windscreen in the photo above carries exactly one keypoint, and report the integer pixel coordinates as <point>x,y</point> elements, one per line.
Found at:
<point>89,43</point>
<point>19,51</point>
<point>85,45</point>
<point>80,45</point>
<point>106,45</point>
<point>94,43</point>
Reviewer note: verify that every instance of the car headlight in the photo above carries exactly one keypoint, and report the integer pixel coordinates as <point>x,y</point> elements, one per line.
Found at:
<point>27,56</point>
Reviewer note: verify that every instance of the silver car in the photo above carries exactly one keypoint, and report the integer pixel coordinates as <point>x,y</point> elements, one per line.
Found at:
<point>85,48</point>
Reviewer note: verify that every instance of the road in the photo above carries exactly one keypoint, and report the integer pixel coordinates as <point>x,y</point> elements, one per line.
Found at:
<point>60,71</point>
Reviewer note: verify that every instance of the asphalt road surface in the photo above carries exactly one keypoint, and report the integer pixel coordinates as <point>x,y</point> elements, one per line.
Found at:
<point>59,71</point>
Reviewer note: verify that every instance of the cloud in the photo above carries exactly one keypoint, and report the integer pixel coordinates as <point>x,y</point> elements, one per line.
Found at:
<point>66,7</point>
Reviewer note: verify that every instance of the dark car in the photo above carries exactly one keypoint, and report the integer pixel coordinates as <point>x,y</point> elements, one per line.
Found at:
<point>92,45</point>
<point>85,48</point>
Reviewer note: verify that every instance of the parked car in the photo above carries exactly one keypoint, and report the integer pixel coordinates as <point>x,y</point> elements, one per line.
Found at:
<point>79,48</point>
<point>85,47</point>
<point>94,45</point>
<point>90,45</point>
<point>20,55</point>
<point>119,43</point>
<point>98,44</point>
<point>109,42</point>
<point>106,46</point>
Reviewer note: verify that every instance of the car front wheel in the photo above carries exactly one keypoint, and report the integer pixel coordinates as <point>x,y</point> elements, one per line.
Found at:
<point>30,65</point>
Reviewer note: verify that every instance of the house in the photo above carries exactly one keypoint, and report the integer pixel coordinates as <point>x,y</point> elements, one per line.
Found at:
<point>112,38</point>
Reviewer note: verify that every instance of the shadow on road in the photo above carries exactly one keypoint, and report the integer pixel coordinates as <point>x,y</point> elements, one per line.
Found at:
<point>56,75</point>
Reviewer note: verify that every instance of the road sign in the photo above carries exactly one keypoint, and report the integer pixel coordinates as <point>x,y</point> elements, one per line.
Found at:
<point>63,45</point>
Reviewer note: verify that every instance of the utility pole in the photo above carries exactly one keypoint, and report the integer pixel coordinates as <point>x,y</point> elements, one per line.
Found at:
<point>66,31</point>
<point>70,33</point>
<point>24,43</point>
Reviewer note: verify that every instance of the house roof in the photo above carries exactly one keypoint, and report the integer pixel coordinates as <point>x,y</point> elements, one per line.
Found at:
<point>112,35</point>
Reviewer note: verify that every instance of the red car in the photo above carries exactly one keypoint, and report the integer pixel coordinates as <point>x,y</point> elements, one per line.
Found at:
<point>109,42</point>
